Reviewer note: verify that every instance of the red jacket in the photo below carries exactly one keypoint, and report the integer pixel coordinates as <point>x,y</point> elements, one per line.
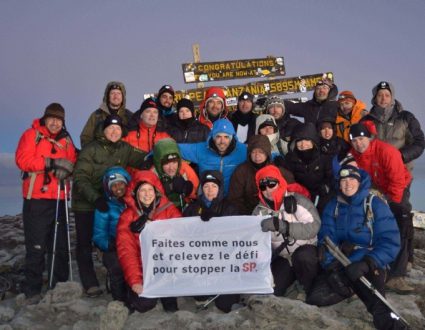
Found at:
<point>128,247</point>
<point>144,138</point>
<point>203,116</point>
<point>35,145</point>
<point>385,166</point>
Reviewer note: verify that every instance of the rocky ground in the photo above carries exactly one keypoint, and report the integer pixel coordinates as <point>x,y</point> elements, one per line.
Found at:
<point>66,307</point>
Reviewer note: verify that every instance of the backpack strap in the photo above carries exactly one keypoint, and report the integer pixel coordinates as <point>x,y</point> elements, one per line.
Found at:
<point>367,206</point>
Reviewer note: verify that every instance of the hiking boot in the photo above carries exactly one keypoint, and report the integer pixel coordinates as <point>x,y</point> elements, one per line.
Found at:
<point>409,267</point>
<point>94,292</point>
<point>399,285</point>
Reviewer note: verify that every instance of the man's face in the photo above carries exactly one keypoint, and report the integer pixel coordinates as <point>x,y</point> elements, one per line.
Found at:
<point>321,92</point>
<point>115,98</point>
<point>113,133</point>
<point>383,98</point>
<point>185,113</point>
<point>210,190</point>
<point>170,168</point>
<point>304,144</point>
<point>214,107</point>
<point>326,132</point>
<point>346,106</point>
<point>360,143</point>
<point>245,106</point>
<point>150,117</point>
<point>258,156</point>
<point>222,142</point>
<point>349,186</point>
<point>53,124</point>
<point>276,111</point>
<point>118,189</point>
<point>266,130</point>
<point>166,100</point>
<point>146,194</point>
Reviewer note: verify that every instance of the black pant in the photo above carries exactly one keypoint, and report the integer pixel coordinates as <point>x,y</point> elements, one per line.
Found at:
<point>116,277</point>
<point>402,213</point>
<point>142,304</point>
<point>305,266</point>
<point>84,248</point>
<point>39,217</point>
<point>380,312</point>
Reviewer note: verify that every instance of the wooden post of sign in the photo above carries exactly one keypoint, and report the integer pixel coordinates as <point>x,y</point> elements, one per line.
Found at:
<point>197,59</point>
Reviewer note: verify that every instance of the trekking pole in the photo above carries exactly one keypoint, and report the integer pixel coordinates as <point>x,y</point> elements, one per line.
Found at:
<point>205,306</point>
<point>342,258</point>
<point>52,264</point>
<point>68,232</point>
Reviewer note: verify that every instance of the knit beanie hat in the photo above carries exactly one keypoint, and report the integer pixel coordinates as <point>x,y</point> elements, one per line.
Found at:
<point>116,177</point>
<point>166,89</point>
<point>54,110</point>
<point>210,177</point>
<point>346,95</point>
<point>148,103</point>
<point>246,96</point>
<point>187,104</point>
<point>359,130</point>
<point>272,101</point>
<point>112,120</point>
<point>348,171</point>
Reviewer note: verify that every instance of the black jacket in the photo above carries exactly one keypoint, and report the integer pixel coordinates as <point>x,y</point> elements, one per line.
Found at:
<point>193,132</point>
<point>238,118</point>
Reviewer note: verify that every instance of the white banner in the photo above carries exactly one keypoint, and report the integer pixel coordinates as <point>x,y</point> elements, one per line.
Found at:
<point>188,257</point>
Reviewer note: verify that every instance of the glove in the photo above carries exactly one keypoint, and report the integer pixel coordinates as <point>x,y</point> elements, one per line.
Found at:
<point>182,186</point>
<point>101,204</point>
<point>339,283</point>
<point>207,214</point>
<point>275,224</point>
<point>290,204</point>
<point>61,174</point>
<point>62,164</point>
<point>358,269</point>
<point>138,225</point>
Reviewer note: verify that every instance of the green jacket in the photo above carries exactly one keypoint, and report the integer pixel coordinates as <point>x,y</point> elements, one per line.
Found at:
<point>92,163</point>
<point>98,116</point>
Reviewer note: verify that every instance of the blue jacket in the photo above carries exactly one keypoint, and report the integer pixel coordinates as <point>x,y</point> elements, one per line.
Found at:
<point>350,224</point>
<point>207,157</point>
<point>105,223</point>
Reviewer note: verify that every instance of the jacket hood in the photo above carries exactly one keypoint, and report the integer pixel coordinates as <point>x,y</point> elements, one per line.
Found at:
<point>261,142</point>
<point>205,177</point>
<point>363,191</point>
<point>112,174</point>
<point>222,126</point>
<point>162,149</point>
<point>261,119</point>
<point>210,93</point>
<point>142,177</point>
<point>305,131</point>
<point>271,171</point>
<point>104,105</point>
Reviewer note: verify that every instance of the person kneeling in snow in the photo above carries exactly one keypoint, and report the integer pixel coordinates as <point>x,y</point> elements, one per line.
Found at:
<point>295,223</point>
<point>115,181</point>
<point>146,201</point>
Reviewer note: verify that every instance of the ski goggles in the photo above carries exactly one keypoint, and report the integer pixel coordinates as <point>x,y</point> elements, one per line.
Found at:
<point>268,183</point>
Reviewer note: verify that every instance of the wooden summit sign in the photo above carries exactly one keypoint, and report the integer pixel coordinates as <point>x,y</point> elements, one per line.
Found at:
<point>236,69</point>
<point>283,86</point>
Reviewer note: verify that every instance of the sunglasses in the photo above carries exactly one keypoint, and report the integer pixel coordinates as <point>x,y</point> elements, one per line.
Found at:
<point>267,183</point>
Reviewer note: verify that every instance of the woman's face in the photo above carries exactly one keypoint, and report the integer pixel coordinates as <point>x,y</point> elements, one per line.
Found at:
<point>349,186</point>
<point>210,190</point>
<point>146,194</point>
<point>184,113</point>
<point>304,144</point>
<point>258,156</point>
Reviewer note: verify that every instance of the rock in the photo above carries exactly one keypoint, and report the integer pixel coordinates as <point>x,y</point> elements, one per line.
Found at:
<point>6,314</point>
<point>115,316</point>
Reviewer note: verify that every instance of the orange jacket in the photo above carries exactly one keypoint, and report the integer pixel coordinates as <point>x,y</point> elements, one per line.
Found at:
<point>144,138</point>
<point>343,124</point>
<point>128,246</point>
<point>35,145</point>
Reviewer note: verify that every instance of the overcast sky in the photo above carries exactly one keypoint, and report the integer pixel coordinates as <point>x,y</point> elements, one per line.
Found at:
<point>66,51</point>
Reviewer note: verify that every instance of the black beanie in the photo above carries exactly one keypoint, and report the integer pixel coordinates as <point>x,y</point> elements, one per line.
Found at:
<point>348,171</point>
<point>187,104</point>
<point>246,96</point>
<point>359,130</point>
<point>148,103</point>
<point>112,120</point>
<point>166,89</point>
